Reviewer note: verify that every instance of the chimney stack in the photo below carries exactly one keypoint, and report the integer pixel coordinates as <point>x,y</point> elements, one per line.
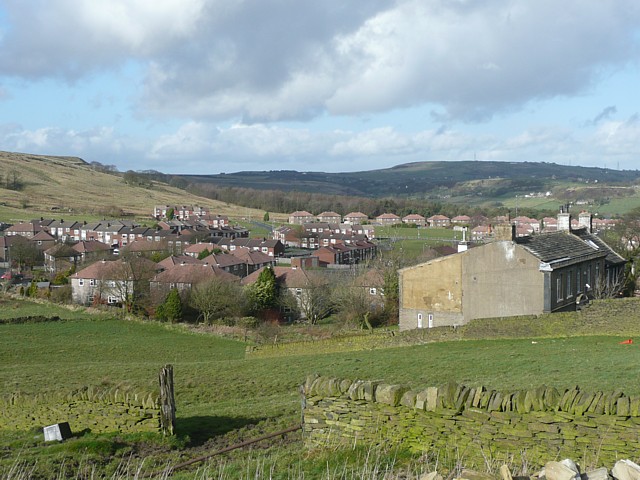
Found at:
<point>585,220</point>
<point>564,220</point>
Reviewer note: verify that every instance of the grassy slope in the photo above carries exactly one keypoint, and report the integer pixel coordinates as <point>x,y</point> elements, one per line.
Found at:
<point>214,378</point>
<point>221,394</point>
<point>70,183</point>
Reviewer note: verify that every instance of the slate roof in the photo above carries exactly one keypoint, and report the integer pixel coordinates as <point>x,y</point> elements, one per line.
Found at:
<point>289,277</point>
<point>559,248</point>
<point>173,260</point>
<point>193,273</point>
<point>612,257</point>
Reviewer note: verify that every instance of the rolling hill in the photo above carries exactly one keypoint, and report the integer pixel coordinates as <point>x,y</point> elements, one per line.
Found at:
<point>424,178</point>
<point>69,187</point>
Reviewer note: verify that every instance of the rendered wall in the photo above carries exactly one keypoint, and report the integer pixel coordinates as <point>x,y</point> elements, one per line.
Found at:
<point>475,425</point>
<point>432,288</point>
<point>501,280</point>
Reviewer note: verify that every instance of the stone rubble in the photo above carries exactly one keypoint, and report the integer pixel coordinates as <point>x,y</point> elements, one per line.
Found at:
<point>563,470</point>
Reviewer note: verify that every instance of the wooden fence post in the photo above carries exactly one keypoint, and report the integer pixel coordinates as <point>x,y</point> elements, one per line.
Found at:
<point>167,401</point>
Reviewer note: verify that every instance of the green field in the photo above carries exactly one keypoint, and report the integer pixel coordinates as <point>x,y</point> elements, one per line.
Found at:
<point>223,396</point>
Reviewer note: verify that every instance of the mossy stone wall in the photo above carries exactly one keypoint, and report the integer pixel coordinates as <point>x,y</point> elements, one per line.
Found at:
<point>475,425</point>
<point>98,412</point>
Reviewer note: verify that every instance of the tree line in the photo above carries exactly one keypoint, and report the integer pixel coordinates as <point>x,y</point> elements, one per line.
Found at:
<point>279,201</point>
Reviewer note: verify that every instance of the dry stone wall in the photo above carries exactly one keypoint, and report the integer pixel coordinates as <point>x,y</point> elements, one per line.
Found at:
<point>100,412</point>
<point>475,425</point>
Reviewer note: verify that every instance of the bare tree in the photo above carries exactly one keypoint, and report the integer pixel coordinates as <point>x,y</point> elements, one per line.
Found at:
<point>217,298</point>
<point>314,299</point>
<point>352,301</point>
<point>126,281</point>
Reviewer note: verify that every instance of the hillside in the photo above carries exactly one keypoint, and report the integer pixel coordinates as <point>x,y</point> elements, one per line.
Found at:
<point>427,178</point>
<point>69,187</point>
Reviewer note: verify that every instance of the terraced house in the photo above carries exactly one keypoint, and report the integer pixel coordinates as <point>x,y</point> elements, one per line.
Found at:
<point>528,275</point>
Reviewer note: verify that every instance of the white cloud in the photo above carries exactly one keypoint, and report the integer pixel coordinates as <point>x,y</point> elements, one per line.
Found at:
<point>73,38</point>
<point>269,60</point>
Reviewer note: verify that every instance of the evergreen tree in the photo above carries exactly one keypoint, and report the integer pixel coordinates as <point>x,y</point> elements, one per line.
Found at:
<point>171,308</point>
<point>204,254</point>
<point>263,294</point>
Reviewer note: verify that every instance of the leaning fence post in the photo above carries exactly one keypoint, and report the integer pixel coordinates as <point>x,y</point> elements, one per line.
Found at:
<point>167,401</point>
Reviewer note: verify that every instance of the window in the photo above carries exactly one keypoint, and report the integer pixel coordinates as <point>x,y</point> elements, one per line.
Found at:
<point>569,292</point>
<point>92,282</point>
<point>559,287</point>
<point>111,283</point>
<point>81,282</point>
<point>90,298</point>
<point>373,291</point>
<point>578,282</point>
<point>111,300</point>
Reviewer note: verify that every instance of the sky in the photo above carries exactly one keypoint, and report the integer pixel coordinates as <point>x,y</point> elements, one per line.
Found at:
<point>213,86</point>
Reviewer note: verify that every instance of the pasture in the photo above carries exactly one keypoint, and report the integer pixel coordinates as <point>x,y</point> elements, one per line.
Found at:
<point>223,396</point>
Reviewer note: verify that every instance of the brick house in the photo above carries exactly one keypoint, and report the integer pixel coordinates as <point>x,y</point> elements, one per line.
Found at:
<point>414,219</point>
<point>184,277</point>
<point>329,217</point>
<point>300,217</point>
<point>112,282</point>
<point>441,221</point>
<point>355,218</point>
<point>388,219</point>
